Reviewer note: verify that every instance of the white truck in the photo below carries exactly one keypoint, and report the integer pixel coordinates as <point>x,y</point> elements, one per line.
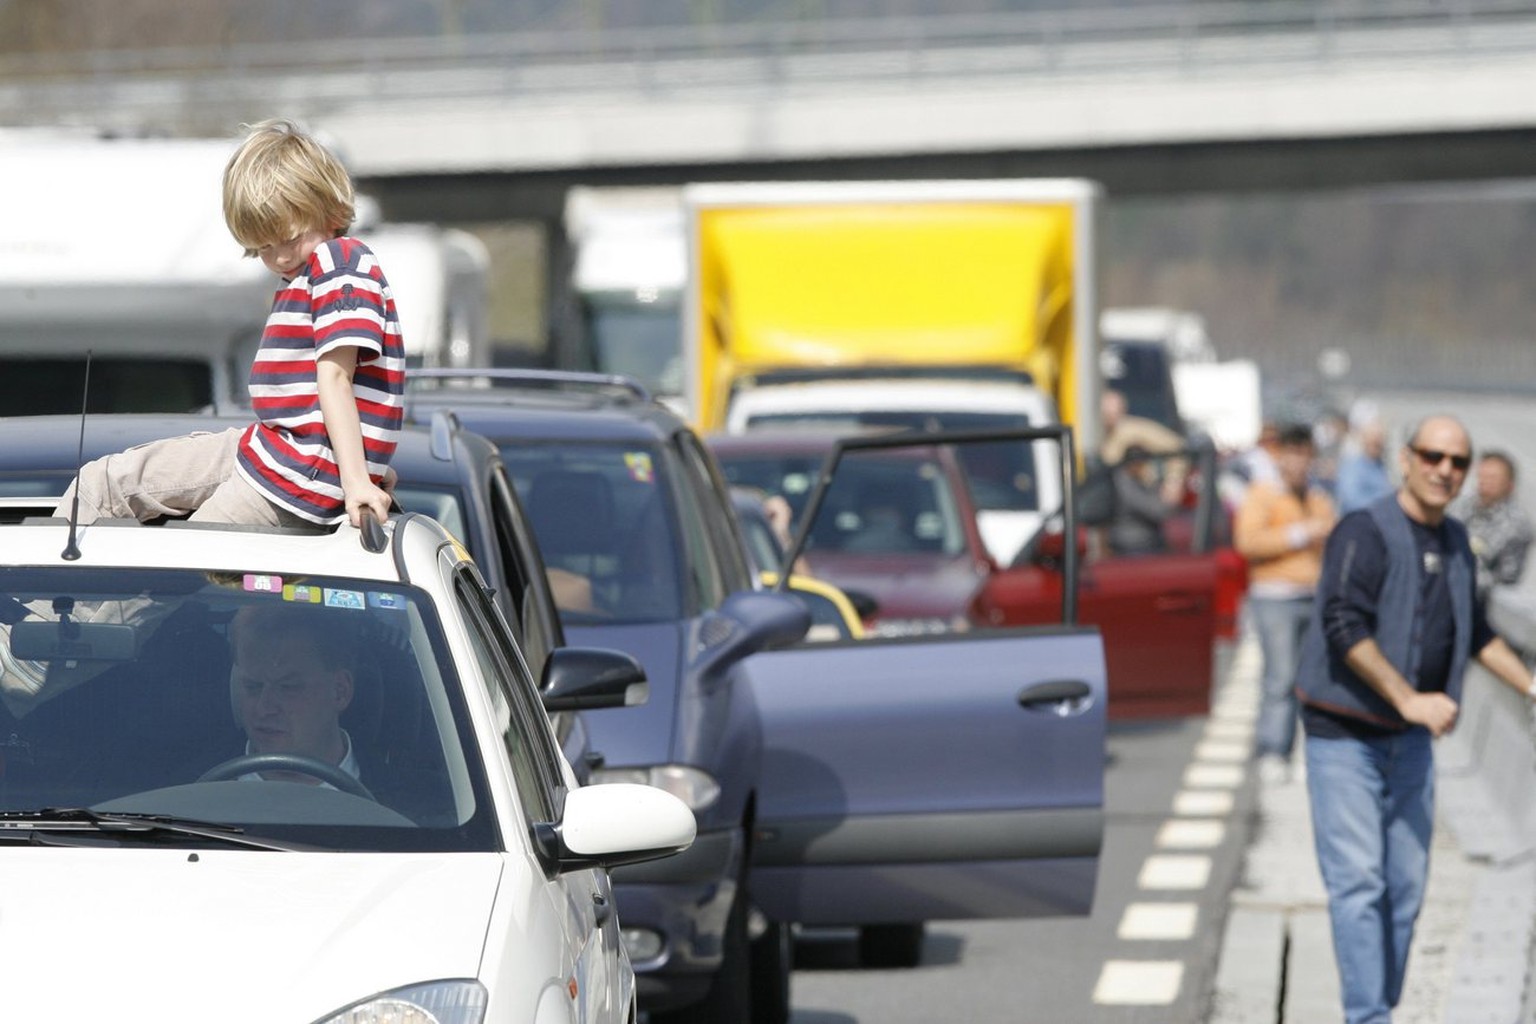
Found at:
<point>118,246</point>
<point>627,277</point>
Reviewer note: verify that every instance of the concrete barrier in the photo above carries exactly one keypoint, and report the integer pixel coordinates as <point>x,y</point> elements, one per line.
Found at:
<point>1487,765</point>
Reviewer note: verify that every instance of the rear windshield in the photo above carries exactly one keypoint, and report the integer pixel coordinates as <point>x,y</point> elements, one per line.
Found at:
<point>315,710</point>
<point>35,387</point>
<point>1001,475</point>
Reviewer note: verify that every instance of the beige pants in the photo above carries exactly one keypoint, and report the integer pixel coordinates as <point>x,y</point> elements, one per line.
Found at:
<point>173,477</point>
<point>177,476</point>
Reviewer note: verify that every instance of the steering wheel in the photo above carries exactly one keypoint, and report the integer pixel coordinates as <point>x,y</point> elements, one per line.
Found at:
<point>248,763</point>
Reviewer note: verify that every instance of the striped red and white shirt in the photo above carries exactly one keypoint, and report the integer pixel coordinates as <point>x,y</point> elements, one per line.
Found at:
<point>341,298</point>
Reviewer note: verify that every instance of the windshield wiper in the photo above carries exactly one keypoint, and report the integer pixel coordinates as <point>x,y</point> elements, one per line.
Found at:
<point>30,824</point>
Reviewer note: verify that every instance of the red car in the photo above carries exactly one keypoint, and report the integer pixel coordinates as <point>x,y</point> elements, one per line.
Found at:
<point>897,527</point>
<point>1159,612</point>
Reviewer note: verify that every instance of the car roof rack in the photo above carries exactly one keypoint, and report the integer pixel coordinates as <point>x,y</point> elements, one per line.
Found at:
<point>491,378</point>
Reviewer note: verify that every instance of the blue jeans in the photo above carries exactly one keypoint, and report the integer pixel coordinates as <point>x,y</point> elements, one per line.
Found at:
<point>1280,623</point>
<point>1373,806</point>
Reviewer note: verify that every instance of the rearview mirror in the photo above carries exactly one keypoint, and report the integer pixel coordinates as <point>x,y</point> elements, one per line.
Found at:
<point>586,678</point>
<point>68,640</point>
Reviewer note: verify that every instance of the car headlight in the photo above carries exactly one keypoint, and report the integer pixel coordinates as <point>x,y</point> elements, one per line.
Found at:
<point>698,789</point>
<point>434,1002</point>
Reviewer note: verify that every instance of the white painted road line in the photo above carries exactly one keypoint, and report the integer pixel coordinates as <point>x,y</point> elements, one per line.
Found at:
<point>1191,835</point>
<point>1202,803</point>
<point>1175,871</point>
<point>1139,983</point>
<point>1229,729</point>
<point>1213,776</point>
<point>1229,751</point>
<point>1159,921</point>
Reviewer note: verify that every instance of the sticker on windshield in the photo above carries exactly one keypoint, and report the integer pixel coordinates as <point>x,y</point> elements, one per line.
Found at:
<point>344,599</point>
<point>302,593</point>
<point>639,466</point>
<point>380,599</point>
<point>263,584</point>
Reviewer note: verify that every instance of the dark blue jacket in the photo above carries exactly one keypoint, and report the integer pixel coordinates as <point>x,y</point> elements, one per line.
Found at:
<point>1326,682</point>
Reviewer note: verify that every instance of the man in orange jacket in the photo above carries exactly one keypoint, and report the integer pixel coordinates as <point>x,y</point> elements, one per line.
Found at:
<point>1280,529</point>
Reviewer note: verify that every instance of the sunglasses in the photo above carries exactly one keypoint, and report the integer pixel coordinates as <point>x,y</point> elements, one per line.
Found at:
<point>1432,457</point>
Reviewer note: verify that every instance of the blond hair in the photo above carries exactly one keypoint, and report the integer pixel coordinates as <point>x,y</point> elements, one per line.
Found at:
<point>280,183</point>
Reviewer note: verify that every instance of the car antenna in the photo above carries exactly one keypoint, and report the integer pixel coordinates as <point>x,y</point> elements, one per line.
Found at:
<point>72,549</point>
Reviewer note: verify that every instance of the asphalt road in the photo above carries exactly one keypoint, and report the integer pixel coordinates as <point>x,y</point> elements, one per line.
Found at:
<point>1146,954</point>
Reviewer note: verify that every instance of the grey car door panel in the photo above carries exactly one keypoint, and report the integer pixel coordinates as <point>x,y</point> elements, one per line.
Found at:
<point>942,777</point>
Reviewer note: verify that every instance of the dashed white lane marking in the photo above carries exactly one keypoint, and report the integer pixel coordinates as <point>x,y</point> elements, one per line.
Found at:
<point>1213,776</point>
<point>1202,803</point>
<point>1139,982</point>
<point>1191,835</point>
<point>1159,921</point>
<point>1228,729</point>
<point>1174,871</point>
<point>1230,751</point>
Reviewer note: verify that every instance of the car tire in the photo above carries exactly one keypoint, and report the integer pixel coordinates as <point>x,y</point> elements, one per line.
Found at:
<point>891,945</point>
<point>729,999</point>
<point>772,960</point>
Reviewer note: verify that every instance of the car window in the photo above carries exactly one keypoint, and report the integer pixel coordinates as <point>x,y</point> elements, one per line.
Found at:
<point>141,384</point>
<point>1001,475</point>
<point>604,516</point>
<point>712,500</point>
<point>519,560</point>
<point>189,674</point>
<point>444,504</point>
<point>519,717</point>
<point>876,505</point>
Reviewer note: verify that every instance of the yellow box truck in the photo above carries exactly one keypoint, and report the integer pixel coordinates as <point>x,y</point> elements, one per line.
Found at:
<point>796,281</point>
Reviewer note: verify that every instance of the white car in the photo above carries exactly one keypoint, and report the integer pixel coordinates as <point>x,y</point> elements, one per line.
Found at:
<point>1013,489</point>
<point>168,845</point>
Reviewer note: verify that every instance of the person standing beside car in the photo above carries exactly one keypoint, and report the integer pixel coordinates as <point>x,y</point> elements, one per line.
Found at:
<point>1395,624</point>
<point>1280,529</point>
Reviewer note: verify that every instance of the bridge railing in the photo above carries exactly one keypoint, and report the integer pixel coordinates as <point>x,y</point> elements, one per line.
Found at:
<point>1176,38</point>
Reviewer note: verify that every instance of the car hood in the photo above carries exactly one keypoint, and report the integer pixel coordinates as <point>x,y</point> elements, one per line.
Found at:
<point>639,735</point>
<point>906,586</point>
<point>232,935</point>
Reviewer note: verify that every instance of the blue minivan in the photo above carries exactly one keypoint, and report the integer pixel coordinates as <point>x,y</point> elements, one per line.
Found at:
<point>878,783</point>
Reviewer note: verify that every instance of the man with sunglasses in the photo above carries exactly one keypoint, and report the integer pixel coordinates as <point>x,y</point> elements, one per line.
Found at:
<point>1395,623</point>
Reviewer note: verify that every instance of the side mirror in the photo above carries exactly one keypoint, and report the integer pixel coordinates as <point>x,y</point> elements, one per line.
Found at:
<point>1051,548</point>
<point>585,678</point>
<point>614,823</point>
<point>750,621</point>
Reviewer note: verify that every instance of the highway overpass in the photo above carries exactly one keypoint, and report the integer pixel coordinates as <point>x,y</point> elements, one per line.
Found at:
<point>1146,99</point>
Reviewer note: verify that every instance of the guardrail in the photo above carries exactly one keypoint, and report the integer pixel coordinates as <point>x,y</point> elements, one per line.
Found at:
<point>1179,38</point>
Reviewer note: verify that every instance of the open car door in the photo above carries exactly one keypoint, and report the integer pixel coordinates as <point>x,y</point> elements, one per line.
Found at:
<point>957,775</point>
<point>1156,607</point>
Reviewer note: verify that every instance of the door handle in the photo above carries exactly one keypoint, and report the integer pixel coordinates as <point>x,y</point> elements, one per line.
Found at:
<point>1063,696</point>
<point>1180,604</point>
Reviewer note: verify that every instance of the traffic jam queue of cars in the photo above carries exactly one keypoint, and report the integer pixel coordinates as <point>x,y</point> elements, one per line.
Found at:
<point>778,785</point>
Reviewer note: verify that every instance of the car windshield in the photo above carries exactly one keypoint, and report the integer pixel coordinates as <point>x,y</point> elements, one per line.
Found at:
<point>877,505</point>
<point>1001,475</point>
<point>606,525</point>
<point>314,710</point>
<point>41,386</point>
